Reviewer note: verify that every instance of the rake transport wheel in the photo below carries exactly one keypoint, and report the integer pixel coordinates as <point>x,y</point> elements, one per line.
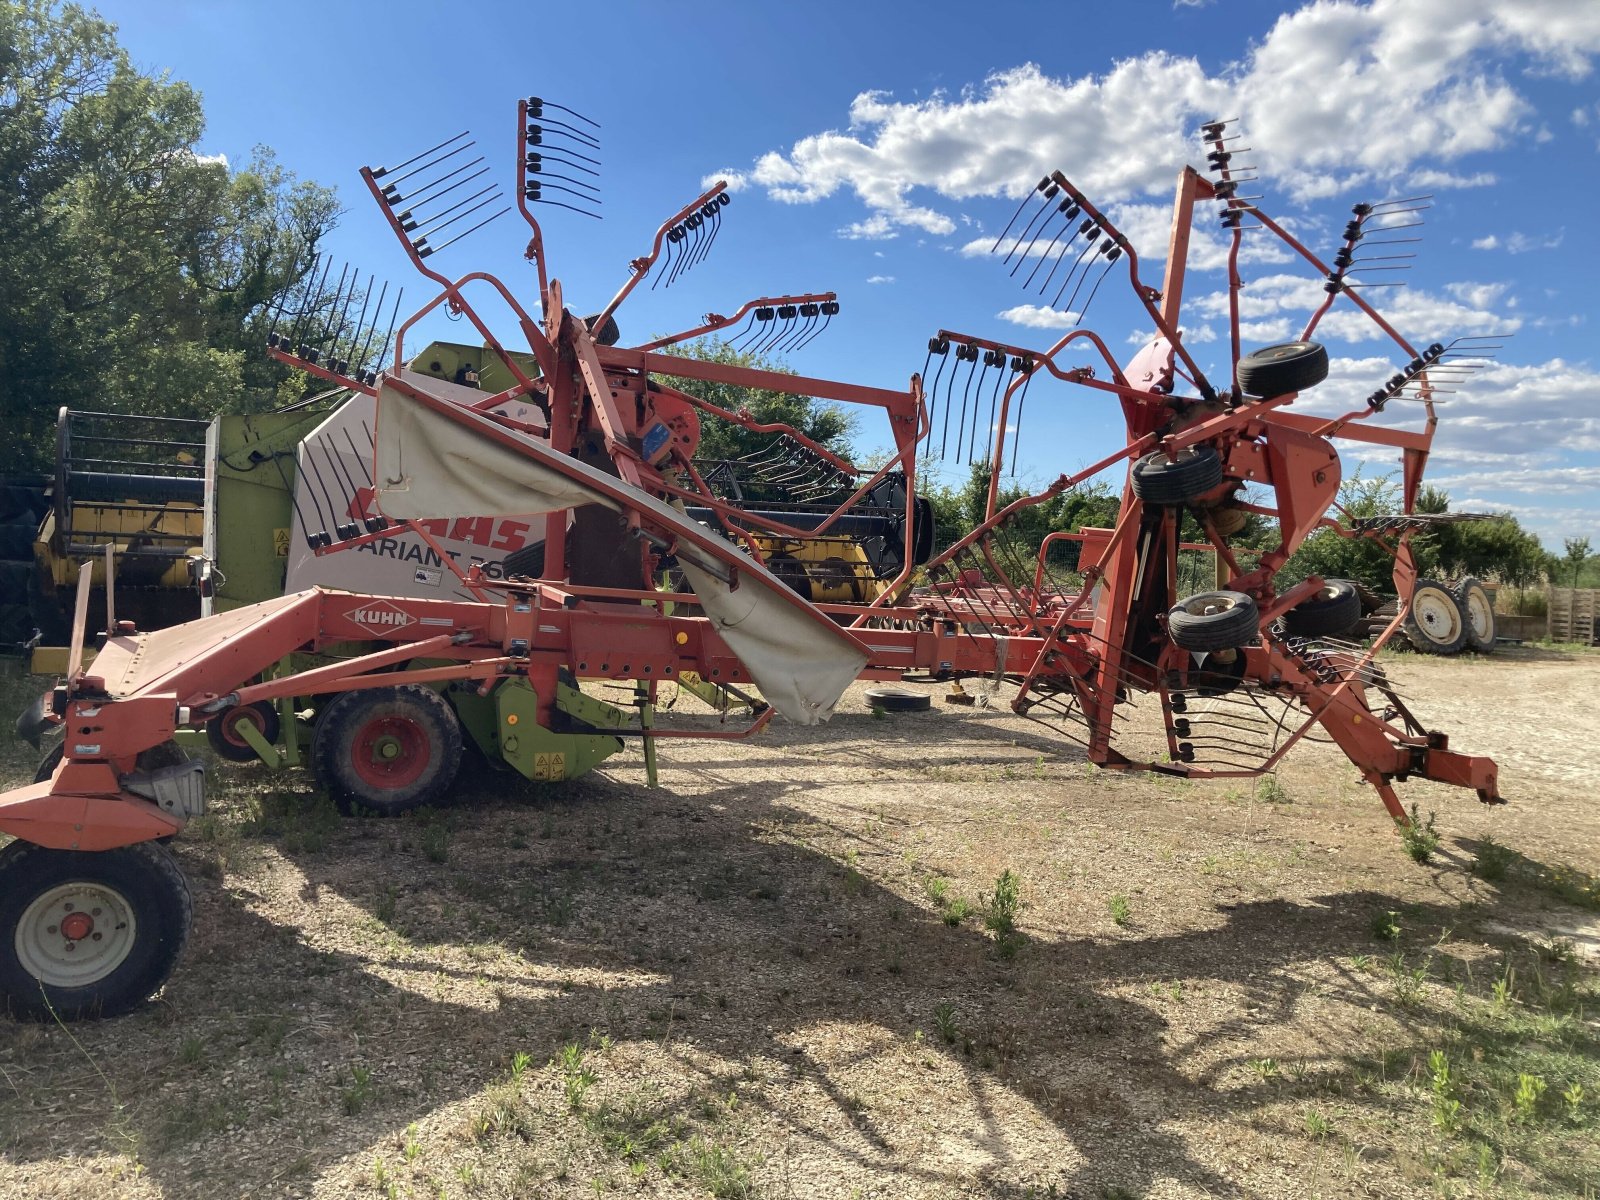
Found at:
<point>1479,609</point>
<point>1213,621</point>
<point>88,934</point>
<point>1436,623</point>
<point>1281,369</point>
<point>387,749</point>
<point>222,731</point>
<point>1193,472</point>
<point>1335,608</point>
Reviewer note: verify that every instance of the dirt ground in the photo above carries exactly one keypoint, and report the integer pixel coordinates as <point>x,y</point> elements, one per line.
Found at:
<point>761,979</point>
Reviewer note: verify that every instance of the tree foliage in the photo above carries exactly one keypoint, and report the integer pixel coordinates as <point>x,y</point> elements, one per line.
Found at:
<point>829,425</point>
<point>134,272</point>
<point>1497,549</point>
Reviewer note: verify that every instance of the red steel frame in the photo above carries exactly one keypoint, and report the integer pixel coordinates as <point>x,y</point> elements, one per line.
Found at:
<point>143,687</point>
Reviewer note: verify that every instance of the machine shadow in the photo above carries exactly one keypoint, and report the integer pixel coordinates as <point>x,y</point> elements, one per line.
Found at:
<point>702,923</point>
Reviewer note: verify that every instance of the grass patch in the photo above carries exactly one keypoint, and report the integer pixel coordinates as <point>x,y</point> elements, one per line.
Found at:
<point>1001,911</point>
<point>1420,838</point>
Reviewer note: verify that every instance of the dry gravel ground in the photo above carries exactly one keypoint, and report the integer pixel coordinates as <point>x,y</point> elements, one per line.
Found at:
<point>752,981</point>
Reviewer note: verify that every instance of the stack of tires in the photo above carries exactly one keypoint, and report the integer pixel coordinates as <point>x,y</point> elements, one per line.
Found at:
<point>1447,620</point>
<point>21,510</point>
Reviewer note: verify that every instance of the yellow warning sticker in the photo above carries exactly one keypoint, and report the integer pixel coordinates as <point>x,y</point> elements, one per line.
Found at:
<point>550,765</point>
<point>280,542</point>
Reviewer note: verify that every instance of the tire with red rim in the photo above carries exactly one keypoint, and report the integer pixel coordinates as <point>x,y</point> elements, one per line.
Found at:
<point>387,749</point>
<point>222,731</point>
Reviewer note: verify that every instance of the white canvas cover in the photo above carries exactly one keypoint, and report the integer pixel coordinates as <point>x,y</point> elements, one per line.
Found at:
<point>432,463</point>
<point>333,471</point>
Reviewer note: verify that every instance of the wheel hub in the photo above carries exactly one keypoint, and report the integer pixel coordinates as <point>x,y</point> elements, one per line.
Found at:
<point>75,934</point>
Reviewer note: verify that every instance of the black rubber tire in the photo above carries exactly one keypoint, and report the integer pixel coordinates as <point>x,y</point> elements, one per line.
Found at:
<point>16,624</point>
<point>1281,369</point>
<point>263,714</point>
<point>1435,623</point>
<point>50,761</point>
<point>415,718</point>
<point>1214,621</point>
<point>14,578</point>
<point>1195,471</point>
<point>16,542</point>
<point>144,877</point>
<point>893,700</point>
<point>527,562</point>
<point>1478,610</point>
<point>1333,610</point>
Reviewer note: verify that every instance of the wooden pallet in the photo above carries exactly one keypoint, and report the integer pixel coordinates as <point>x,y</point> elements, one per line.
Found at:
<point>1573,615</point>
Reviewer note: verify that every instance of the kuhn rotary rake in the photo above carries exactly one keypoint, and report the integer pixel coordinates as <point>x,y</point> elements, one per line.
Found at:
<point>601,465</point>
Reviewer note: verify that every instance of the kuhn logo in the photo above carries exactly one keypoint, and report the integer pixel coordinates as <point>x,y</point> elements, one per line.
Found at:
<point>380,617</point>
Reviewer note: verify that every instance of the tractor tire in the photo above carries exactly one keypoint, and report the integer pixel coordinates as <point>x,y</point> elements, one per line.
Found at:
<point>16,542</point>
<point>1479,611</point>
<point>894,700</point>
<point>222,731</point>
<point>527,562</point>
<point>1278,370</point>
<point>386,750</point>
<point>16,625</point>
<point>1436,623</point>
<point>1160,480</point>
<point>88,934</point>
<point>1214,621</point>
<point>1333,610</point>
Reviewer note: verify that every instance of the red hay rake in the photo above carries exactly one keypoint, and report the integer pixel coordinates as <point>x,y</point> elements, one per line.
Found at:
<point>605,456</point>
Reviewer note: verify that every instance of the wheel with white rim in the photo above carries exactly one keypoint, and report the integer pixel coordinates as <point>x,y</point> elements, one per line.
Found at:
<point>1435,624</point>
<point>1214,621</point>
<point>1479,610</point>
<point>88,934</point>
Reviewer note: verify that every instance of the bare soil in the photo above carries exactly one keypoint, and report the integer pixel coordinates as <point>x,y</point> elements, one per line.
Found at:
<point>751,981</point>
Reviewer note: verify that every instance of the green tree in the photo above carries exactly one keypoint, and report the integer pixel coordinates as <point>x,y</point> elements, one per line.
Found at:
<point>829,425</point>
<point>134,272</point>
<point>1577,555</point>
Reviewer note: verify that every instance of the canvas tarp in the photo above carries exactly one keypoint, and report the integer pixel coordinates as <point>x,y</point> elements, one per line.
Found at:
<point>434,459</point>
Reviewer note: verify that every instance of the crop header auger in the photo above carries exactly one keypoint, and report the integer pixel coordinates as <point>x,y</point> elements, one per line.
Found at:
<point>595,454</point>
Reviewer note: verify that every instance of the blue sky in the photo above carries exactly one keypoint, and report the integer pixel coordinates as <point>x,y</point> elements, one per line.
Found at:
<point>874,147</point>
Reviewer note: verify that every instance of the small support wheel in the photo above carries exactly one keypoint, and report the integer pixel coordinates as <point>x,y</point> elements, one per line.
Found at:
<point>1214,621</point>
<point>387,749</point>
<point>88,934</point>
<point>1281,369</point>
<point>1435,624</point>
<point>1479,609</point>
<point>897,700</point>
<point>222,731</point>
<point>1190,474</point>
<point>1332,610</point>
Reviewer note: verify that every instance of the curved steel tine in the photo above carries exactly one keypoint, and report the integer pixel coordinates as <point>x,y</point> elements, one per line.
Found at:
<point>1104,271</point>
<point>311,291</point>
<point>758,323</point>
<point>473,230</point>
<point>1043,225</point>
<point>994,398</point>
<point>1016,430</point>
<point>1038,187</point>
<point>1093,234</point>
<point>782,325</point>
<point>934,392</point>
<point>361,321</point>
<point>1028,228</point>
<point>978,405</point>
<point>826,317</point>
<point>688,241</point>
<point>715,219</point>
<point>1067,208</point>
<point>804,328</point>
<point>333,306</point>
<point>394,315</point>
<point>749,324</point>
<point>965,396</point>
<point>661,267</point>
